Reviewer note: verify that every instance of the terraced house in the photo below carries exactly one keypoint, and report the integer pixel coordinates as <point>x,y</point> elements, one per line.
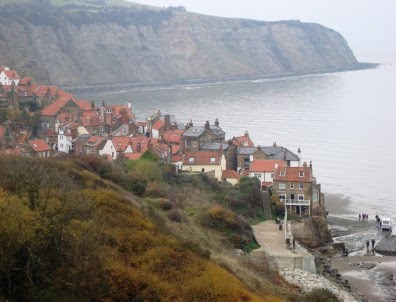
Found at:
<point>297,188</point>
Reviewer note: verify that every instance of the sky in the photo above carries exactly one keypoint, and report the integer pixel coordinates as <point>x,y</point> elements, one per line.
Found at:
<point>369,26</point>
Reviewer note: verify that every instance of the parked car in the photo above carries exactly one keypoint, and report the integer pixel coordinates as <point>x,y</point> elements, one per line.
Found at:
<point>386,224</point>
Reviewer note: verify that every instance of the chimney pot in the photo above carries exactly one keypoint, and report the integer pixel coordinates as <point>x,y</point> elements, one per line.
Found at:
<point>217,122</point>
<point>274,144</point>
<point>207,125</point>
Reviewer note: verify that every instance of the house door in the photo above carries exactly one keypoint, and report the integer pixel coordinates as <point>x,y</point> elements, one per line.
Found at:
<point>298,210</point>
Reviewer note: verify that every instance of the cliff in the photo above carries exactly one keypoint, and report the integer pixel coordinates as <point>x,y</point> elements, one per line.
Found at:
<point>100,44</point>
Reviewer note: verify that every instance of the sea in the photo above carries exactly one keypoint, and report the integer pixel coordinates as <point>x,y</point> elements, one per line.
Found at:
<point>345,123</point>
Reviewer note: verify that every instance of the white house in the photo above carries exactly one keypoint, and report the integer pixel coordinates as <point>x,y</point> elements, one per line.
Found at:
<point>107,148</point>
<point>66,136</point>
<point>264,170</point>
<point>210,162</point>
<point>7,76</point>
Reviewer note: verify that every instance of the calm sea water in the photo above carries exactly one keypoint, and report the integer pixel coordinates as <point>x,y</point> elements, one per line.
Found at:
<point>344,122</point>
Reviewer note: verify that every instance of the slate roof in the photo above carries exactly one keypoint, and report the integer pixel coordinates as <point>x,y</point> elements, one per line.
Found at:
<point>194,131</point>
<point>273,152</point>
<point>217,130</point>
<point>214,146</point>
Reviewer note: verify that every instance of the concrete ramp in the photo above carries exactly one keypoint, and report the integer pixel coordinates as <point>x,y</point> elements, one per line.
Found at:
<point>279,257</point>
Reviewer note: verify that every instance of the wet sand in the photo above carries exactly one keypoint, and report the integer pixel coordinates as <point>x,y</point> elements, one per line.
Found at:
<point>374,283</point>
<point>372,276</point>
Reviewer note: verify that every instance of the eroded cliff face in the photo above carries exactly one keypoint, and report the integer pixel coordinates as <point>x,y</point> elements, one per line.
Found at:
<point>111,46</point>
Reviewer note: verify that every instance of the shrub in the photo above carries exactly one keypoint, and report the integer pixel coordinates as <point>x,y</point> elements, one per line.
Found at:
<point>175,216</point>
<point>221,218</point>
<point>165,204</point>
<point>319,295</point>
<point>277,207</point>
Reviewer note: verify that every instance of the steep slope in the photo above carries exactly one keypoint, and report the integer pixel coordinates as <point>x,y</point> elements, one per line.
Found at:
<point>77,45</point>
<point>66,234</point>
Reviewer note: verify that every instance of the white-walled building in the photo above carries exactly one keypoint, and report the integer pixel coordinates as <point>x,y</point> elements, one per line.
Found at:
<point>264,170</point>
<point>108,149</point>
<point>210,162</point>
<point>8,76</point>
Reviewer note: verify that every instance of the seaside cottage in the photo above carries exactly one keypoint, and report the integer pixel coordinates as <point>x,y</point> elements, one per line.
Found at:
<point>296,188</point>
<point>264,170</point>
<point>231,177</point>
<point>212,163</point>
<point>196,136</point>
<point>40,148</point>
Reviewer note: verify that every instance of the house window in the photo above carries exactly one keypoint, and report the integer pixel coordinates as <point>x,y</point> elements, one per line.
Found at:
<point>191,160</point>
<point>282,186</point>
<point>316,196</point>
<point>301,173</point>
<point>300,197</point>
<point>258,175</point>
<point>282,196</point>
<point>212,159</point>
<point>101,128</point>
<point>246,161</point>
<point>283,173</point>
<point>291,185</point>
<point>301,186</point>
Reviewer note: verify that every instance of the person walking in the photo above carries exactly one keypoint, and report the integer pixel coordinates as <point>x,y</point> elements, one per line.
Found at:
<point>367,245</point>
<point>360,216</point>
<point>372,243</point>
<point>294,244</point>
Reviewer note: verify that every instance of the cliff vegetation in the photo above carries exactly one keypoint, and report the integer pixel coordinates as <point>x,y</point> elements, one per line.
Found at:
<point>84,229</point>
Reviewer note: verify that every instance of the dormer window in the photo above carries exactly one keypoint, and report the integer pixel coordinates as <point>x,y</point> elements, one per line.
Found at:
<point>191,160</point>
<point>283,173</point>
<point>301,174</point>
<point>212,159</point>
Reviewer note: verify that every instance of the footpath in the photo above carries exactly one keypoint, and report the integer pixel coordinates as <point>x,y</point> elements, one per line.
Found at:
<point>296,266</point>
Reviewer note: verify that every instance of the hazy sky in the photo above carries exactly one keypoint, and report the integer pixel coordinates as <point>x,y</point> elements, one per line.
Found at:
<point>368,25</point>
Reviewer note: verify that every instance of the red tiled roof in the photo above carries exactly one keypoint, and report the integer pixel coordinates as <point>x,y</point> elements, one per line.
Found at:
<point>25,81</point>
<point>11,74</point>
<point>39,145</point>
<point>265,165</point>
<point>230,174</point>
<point>2,131</point>
<point>22,138</point>
<point>93,140</point>
<point>243,141</point>
<point>292,174</point>
<point>266,184</point>
<point>120,142</point>
<point>158,125</point>
<point>177,158</point>
<point>50,133</point>
<point>54,108</point>
<point>175,149</point>
<point>173,136</point>
<point>203,158</point>
<point>84,105</point>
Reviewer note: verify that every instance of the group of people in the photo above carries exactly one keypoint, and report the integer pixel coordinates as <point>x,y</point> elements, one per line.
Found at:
<point>363,217</point>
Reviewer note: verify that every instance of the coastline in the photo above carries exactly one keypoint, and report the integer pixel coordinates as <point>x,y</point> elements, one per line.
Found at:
<point>100,88</point>
<point>371,277</point>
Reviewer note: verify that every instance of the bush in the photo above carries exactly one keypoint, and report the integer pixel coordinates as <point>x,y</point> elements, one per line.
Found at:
<point>319,295</point>
<point>277,207</point>
<point>165,204</point>
<point>175,216</point>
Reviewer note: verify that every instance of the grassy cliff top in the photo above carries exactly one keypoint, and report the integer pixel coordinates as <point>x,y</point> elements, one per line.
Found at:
<point>86,3</point>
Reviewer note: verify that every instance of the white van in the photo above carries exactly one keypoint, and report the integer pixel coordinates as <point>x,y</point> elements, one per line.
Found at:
<point>386,224</point>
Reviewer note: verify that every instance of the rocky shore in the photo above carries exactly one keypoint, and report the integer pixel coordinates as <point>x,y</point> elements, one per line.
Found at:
<point>308,281</point>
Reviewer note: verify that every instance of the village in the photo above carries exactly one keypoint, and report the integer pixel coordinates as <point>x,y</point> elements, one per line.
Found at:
<point>62,124</point>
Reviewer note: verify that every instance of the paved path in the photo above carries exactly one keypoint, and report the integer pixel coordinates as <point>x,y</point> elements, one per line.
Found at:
<point>272,242</point>
<point>266,205</point>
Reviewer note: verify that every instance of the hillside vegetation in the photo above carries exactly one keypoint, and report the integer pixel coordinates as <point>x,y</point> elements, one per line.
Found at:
<point>84,229</point>
<point>113,42</point>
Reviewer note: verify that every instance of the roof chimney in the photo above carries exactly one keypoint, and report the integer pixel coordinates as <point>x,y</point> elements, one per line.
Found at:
<point>305,164</point>
<point>310,164</point>
<point>258,148</point>
<point>274,144</point>
<point>92,105</point>
<point>246,134</point>
<point>129,105</point>
<point>217,122</point>
<point>207,125</point>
